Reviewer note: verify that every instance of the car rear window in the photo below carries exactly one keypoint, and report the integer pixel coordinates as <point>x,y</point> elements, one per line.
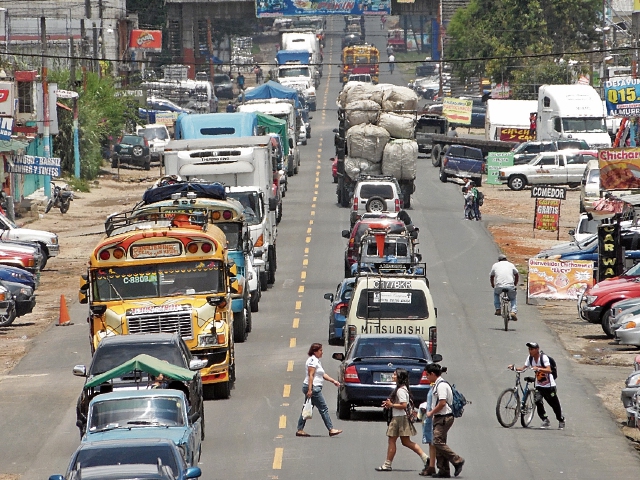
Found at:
<point>390,347</point>
<point>132,140</point>
<point>465,152</point>
<point>151,133</point>
<point>372,190</point>
<point>110,356</point>
<point>392,304</point>
<point>394,249</point>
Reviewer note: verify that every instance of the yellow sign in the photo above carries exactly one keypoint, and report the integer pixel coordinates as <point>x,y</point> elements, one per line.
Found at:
<point>557,279</point>
<point>619,168</point>
<point>636,5</point>
<point>154,250</point>
<point>457,110</point>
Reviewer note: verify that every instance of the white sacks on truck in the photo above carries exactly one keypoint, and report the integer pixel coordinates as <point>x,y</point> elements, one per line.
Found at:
<point>400,159</point>
<point>398,126</point>
<point>367,141</point>
<point>362,111</point>
<point>355,166</point>
<point>399,99</point>
<point>355,92</point>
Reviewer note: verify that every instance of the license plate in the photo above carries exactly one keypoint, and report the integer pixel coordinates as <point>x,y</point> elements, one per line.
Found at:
<point>386,377</point>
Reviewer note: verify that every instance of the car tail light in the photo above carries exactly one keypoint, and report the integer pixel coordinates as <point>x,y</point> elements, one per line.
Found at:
<point>355,204</point>
<point>397,205</point>
<point>445,160</point>
<point>352,242</point>
<point>433,340</point>
<point>339,307</point>
<point>351,375</point>
<point>424,380</point>
<point>206,247</point>
<point>105,255</point>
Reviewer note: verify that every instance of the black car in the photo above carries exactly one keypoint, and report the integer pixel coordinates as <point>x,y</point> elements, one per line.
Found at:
<point>351,39</point>
<point>118,349</point>
<point>133,150</point>
<point>366,370</point>
<point>222,86</point>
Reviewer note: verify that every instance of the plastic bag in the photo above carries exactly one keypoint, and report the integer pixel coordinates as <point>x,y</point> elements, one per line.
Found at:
<point>307,410</point>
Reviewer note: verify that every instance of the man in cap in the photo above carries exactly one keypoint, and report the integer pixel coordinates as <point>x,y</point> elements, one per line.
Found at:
<point>504,275</point>
<point>545,384</point>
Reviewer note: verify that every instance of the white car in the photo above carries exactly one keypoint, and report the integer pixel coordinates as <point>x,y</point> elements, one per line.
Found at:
<point>48,241</point>
<point>157,137</point>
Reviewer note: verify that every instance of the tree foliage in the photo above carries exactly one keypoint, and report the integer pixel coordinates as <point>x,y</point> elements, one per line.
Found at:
<point>499,34</point>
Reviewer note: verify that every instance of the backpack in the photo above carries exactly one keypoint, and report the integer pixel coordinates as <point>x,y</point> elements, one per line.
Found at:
<point>552,364</point>
<point>458,403</point>
<point>480,198</point>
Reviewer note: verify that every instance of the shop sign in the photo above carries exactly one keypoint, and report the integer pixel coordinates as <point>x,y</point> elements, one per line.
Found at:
<point>619,168</point>
<point>610,261</point>
<point>558,279</point>
<point>496,161</point>
<point>547,215</point>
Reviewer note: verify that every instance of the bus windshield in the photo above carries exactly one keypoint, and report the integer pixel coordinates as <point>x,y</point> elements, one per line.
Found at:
<point>158,280</point>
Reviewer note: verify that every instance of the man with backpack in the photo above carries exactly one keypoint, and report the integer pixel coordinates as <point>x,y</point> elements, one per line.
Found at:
<point>546,373</point>
<point>443,417</point>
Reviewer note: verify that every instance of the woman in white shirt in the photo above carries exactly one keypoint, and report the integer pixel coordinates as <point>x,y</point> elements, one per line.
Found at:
<point>400,425</point>
<point>316,376</point>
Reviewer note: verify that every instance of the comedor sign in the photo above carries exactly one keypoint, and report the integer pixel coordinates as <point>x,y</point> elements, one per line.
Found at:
<point>545,191</point>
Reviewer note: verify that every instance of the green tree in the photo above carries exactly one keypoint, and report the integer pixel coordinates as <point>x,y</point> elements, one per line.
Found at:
<point>500,34</point>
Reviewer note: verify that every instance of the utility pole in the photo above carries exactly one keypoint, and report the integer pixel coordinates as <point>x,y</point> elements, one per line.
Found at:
<point>45,103</point>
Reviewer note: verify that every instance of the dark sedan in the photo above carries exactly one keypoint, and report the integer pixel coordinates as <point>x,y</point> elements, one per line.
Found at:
<point>366,371</point>
<point>338,312</point>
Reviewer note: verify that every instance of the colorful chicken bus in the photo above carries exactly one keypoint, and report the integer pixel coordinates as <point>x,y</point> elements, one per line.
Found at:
<point>360,59</point>
<point>166,273</point>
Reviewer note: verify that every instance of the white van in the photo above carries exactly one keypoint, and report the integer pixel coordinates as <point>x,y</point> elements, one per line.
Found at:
<point>394,304</point>
<point>157,137</point>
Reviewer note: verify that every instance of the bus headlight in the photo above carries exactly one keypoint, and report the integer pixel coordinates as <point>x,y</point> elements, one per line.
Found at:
<point>207,340</point>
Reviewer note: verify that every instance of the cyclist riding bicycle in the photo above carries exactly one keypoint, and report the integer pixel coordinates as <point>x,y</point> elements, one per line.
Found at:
<point>504,276</point>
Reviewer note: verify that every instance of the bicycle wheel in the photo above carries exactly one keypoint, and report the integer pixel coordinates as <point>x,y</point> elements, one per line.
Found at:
<point>505,308</point>
<point>527,410</point>
<point>508,407</point>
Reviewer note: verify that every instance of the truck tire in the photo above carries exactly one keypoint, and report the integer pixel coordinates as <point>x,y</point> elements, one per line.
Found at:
<point>376,204</point>
<point>272,266</point>
<point>255,299</point>
<point>264,280</point>
<point>517,182</point>
<point>222,390</point>
<point>443,176</point>
<point>435,155</point>
<point>240,325</point>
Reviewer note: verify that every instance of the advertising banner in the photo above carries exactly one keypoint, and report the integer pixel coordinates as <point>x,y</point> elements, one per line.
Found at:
<point>6,99</point>
<point>558,279</point>
<point>457,110</point>
<point>509,134</point>
<point>37,165</point>
<point>6,128</point>
<point>547,216</point>
<point>290,8</point>
<point>547,191</point>
<point>622,97</point>
<point>148,40</point>
<point>610,261</point>
<point>619,168</point>
<point>496,161</point>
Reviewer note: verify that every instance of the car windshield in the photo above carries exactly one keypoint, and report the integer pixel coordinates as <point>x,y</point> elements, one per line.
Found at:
<point>249,201</point>
<point>157,280</point>
<point>582,125</point>
<point>633,271</point>
<point>110,356</point>
<point>376,190</point>
<point>391,304</point>
<point>153,133</point>
<point>390,347</point>
<point>132,454</point>
<point>124,412</point>
<point>293,72</point>
<point>588,226</point>
<point>392,248</point>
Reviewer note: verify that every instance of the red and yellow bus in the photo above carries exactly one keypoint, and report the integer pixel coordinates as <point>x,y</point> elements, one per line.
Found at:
<point>360,59</point>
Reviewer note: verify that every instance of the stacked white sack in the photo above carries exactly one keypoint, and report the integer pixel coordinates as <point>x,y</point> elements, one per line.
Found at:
<point>398,126</point>
<point>399,99</point>
<point>400,159</point>
<point>362,111</point>
<point>355,166</point>
<point>367,141</point>
<point>355,92</point>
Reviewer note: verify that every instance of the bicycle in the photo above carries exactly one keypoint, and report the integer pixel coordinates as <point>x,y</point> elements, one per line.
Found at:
<point>505,308</point>
<point>509,405</point>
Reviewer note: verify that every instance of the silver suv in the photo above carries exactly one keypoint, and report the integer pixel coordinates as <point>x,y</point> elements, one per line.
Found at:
<point>375,193</point>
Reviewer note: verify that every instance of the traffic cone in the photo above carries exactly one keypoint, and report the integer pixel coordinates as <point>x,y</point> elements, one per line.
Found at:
<point>64,319</point>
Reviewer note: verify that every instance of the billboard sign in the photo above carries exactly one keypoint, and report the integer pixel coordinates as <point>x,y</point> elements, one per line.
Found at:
<point>6,128</point>
<point>547,214</point>
<point>290,8</point>
<point>37,165</point>
<point>147,40</point>
<point>619,168</point>
<point>623,97</point>
<point>513,134</point>
<point>558,279</point>
<point>6,99</point>
<point>457,110</point>
<point>496,161</point>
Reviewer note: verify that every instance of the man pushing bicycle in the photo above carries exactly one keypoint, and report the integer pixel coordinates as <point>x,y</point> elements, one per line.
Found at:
<point>504,276</point>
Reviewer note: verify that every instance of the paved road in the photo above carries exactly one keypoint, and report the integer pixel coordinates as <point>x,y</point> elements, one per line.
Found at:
<point>251,435</point>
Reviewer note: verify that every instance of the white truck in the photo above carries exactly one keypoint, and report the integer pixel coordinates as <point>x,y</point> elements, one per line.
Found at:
<point>300,78</point>
<point>505,115</point>
<point>304,40</point>
<point>572,111</point>
<point>244,162</point>
<point>283,109</point>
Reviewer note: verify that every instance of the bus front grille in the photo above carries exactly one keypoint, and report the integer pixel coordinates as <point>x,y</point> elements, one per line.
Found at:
<point>166,322</point>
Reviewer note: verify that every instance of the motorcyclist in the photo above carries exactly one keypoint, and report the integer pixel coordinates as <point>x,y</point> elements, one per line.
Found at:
<point>504,275</point>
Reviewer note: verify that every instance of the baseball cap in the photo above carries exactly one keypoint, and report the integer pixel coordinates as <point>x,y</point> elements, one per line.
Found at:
<point>502,256</point>
<point>533,345</point>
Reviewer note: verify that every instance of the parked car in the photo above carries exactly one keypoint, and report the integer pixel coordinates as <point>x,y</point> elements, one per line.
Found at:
<point>48,241</point>
<point>525,152</point>
<point>22,285</point>
<point>222,86</point>
<point>629,395</point>
<point>7,307</point>
<point>115,350</point>
<point>366,370</point>
<point>158,413</point>
<point>132,150</point>
<point>590,186</point>
<point>339,306</point>
<point>585,228</point>
<point>27,257</point>
<point>375,193</point>
<point>157,136</point>
<point>126,459</point>
<point>427,87</point>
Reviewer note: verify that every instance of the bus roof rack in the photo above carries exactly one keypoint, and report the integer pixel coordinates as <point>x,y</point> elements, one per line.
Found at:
<point>160,217</point>
<point>213,190</point>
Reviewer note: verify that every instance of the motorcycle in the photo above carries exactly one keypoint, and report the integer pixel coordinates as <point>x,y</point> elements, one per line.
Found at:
<point>60,198</point>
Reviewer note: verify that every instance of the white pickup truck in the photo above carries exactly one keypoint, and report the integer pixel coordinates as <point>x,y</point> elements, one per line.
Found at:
<point>548,168</point>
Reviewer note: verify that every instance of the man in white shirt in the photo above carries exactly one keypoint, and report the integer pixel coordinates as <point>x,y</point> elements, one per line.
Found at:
<point>504,275</point>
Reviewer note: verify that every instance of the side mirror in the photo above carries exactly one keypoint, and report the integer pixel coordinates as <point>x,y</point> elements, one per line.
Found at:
<point>84,289</point>
<point>419,256</point>
<point>346,233</point>
<point>217,301</point>
<point>436,357</point>
<point>273,204</point>
<point>299,143</point>
<point>80,371</point>
<point>193,472</point>
<point>572,232</point>
<point>338,356</point>
<point>335,130</point>
<point>194,417</point>
<point>196,364</point>
<point>328,296</point>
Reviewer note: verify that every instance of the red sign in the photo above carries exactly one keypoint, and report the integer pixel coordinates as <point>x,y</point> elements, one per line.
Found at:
<point>547,216</point>
<point>515,134</point>
<point>146,40</point>
<point>4,95</point>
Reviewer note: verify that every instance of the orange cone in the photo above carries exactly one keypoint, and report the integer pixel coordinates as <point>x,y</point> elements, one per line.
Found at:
<point>64,319</point>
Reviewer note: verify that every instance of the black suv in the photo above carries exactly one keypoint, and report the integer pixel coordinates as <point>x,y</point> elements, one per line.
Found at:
<point>133,150</point>
<point>116,350</point>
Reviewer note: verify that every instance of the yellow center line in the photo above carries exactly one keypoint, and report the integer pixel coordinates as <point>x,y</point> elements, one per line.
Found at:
<point>283,421</point>
<point>298,305</point>
<point>308,239</point>
<point>308,230</point>
<point>311,221</point>
<point>305,262</point>
<point>292,342</point>
<point>296,323</point>
<point>287,391</point>
<point>303,275</point>
<point>290,366</point>
<point>301,289</point>
<point>277,459</point>
<point>312,211</point>
<point>306,250</point>
<point>314,199</point>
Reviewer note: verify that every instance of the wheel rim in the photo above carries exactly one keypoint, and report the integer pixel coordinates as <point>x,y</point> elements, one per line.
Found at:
<point>137,151</point>
<point>508,408</point>
<point>376,206</point>
<point>517,183</point>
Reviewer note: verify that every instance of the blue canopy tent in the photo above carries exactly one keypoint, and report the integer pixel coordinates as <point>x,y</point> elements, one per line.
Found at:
<point>273,89</point>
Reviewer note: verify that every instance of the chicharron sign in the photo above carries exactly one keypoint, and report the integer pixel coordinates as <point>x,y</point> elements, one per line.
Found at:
<point>619,168</point>
<point>37,165</point>
<point>511,134</point>
<point>558,279</point>
<point>290,8</point>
